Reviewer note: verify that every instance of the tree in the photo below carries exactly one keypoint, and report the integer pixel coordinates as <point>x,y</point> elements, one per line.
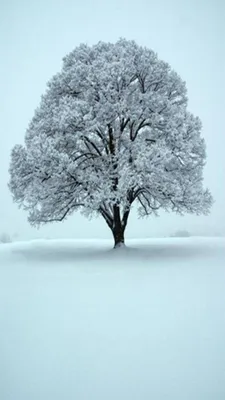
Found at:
<point>5,238</point>
<point>112,129</point>
<point>181,234</point>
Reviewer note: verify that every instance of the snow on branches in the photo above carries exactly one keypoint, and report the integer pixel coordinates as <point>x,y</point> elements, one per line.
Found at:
<point>111,129</point>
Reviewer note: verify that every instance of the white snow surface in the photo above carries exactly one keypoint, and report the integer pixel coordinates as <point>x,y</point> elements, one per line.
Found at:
<point>80,321</point>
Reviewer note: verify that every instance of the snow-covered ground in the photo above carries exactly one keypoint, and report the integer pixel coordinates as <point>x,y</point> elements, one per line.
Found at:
<point>79,321</point>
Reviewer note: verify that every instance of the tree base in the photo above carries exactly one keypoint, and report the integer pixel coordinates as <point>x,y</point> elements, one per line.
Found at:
<point>120,245</point>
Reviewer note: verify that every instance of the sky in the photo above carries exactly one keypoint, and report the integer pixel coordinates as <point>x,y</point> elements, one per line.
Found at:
<point>36,35</point>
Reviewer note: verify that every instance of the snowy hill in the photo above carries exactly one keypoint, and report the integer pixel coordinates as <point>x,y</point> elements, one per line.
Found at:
<point>81,321</point>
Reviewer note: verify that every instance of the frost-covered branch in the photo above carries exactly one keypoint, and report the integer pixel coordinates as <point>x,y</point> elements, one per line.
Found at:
<point>112,129</point>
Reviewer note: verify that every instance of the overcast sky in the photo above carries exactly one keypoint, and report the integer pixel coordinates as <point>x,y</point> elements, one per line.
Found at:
<point>189,34</point>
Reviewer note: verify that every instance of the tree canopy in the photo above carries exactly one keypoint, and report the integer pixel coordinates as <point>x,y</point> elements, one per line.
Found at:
<point>112,129</point>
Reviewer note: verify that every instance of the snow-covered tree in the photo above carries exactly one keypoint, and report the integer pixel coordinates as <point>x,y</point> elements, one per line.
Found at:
<point>5,238</point>
<point>112,129</point>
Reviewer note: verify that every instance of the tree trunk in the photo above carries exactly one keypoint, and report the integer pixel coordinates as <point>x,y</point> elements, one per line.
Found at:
<point>118,234</point>
<point>116,223</point>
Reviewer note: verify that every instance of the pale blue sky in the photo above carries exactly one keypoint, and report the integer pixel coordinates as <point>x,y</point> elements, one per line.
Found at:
<point>190,35</point>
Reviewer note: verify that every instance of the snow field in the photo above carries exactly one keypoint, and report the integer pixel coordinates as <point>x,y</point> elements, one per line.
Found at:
<point>81,321</point>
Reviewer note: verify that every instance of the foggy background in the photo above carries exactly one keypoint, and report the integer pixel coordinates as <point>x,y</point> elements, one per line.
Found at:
<point>35,35</point>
